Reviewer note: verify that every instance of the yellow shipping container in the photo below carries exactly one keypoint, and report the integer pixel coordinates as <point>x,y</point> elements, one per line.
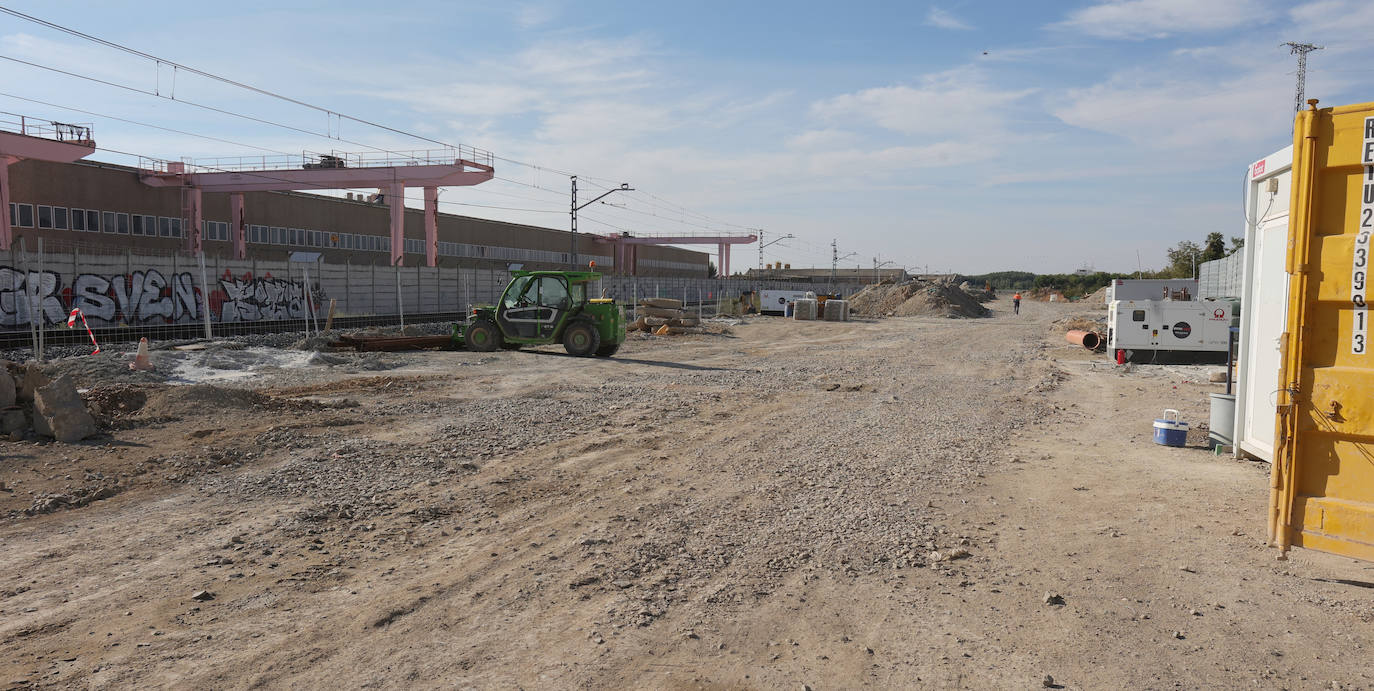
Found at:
<point>1322,484</point>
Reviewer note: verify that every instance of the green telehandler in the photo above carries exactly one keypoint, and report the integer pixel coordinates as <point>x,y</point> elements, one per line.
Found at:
<point>542,308</point>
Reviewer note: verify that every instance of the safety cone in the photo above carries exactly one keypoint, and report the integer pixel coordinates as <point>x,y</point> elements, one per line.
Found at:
<point>141,361</point>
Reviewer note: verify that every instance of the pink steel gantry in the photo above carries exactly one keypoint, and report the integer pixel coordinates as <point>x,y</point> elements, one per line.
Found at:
<point>24,137</point>
<point>389,171</point>
<point>626,246</point>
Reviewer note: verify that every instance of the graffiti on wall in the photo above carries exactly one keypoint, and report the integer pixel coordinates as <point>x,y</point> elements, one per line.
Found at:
<point>147,297</point>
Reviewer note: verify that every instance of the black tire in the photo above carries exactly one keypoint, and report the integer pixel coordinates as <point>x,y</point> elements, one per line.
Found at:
<point>482,336</point>
<point>581,339</point>
<point>607,350</point>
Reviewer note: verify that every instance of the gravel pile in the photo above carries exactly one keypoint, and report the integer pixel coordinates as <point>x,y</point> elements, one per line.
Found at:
<point>916,298</point>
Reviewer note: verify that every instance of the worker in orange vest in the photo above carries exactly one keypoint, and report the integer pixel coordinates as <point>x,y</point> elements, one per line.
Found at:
<point>1016,303</point>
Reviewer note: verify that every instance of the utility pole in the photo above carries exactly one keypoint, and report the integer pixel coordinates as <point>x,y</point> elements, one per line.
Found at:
<point>1301,50</point>
<point>572,252</point>
<point>835,263</point>
<point>763,244</point>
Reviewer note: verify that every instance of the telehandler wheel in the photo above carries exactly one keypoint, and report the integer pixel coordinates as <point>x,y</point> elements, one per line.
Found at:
<point>581,339</point>
<point>483,336</point>
<point>607,350</point>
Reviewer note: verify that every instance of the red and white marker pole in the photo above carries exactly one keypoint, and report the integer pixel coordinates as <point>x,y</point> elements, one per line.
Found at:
<point>71,321</point>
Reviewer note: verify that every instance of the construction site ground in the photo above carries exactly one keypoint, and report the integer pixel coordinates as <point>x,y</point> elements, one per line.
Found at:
<point>900,503</point>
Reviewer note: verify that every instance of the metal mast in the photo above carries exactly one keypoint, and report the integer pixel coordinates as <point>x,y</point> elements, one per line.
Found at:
<point>1301,50</point>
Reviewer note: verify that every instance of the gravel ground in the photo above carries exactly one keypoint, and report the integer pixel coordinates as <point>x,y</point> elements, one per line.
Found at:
<point>785,504</point>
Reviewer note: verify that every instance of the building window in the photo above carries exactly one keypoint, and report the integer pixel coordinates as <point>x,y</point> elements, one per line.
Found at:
<point>256,233</point>
<point>123,223</point>
<point>108,222</point>
<point>25,216</point>
<point>14,215</point>
<point>274,235</point>
<point>150,226</point>
<point>44,216</point>
<point>79,219</point>
<point>176,228</point>
<point>138,224</point>
<point>217,230</point>
<point>59,217</point>
<point>164,227</point>
<point>92,221</point>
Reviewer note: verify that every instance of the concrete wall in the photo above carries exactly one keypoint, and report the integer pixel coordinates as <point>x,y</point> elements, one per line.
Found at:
<point>138,289</point>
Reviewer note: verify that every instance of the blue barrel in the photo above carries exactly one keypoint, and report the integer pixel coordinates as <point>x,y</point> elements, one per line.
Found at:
<point>1170,431</point>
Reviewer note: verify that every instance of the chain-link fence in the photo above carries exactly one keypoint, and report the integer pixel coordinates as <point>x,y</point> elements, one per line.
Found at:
<point>124,294</point>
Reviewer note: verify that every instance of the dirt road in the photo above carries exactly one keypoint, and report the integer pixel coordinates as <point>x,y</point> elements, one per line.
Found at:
<point>884,504</point>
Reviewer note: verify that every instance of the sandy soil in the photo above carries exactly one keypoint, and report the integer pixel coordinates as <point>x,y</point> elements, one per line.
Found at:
<point>793,505</point>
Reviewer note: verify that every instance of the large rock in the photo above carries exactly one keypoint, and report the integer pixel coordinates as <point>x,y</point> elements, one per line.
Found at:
<point>58,412</point>
<point>7,389</point>
<point>12,421</point>
<point>33,380</point>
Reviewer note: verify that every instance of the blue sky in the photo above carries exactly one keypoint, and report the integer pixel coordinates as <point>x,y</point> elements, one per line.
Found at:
<point>965,136</point>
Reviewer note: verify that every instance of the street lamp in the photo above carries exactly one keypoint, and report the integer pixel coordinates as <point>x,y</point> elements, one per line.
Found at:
<point>763,244</point>
<point>624,187</point>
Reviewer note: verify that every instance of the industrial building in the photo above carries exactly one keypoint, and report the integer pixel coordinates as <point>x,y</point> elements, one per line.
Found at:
<point>96,204</point>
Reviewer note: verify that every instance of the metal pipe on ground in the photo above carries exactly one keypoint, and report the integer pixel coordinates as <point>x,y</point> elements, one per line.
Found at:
<point>1087,339</point>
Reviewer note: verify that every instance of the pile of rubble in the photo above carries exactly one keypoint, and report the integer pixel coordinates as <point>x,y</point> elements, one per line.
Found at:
<point>663,316</point>
<point>983,293</point>
<point>916,298</point>
<point>30,402</point>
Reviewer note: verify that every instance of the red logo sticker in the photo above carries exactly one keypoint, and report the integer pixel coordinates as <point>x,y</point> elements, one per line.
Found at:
<point>1219,313</point>
<point>1258,170</point>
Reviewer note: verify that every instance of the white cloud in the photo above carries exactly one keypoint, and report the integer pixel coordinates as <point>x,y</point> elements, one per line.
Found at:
<point>1341,25</point>
<point>943,19</point>
<point>1193,115</point>
<point>465,98</point>
<point>958,100</point>
<point>1143,19</point>
<point>531,15</point>
<point>821,139</point>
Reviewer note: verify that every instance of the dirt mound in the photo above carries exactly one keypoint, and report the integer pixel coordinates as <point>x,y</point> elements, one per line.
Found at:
<point>177,401</point>
<point>1081,323</point>
<point>916,298</point>
<point>979,293</point>
<point>1097,297</point>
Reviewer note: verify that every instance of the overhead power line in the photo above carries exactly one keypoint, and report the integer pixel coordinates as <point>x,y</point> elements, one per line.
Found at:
<point>329,112</point>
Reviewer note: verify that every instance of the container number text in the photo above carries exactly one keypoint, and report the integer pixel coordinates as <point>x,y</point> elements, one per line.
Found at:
<point>1359,260</point>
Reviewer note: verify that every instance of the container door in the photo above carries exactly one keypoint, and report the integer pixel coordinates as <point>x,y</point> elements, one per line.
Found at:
<point>1263,317</point>
<point>1322,493</point>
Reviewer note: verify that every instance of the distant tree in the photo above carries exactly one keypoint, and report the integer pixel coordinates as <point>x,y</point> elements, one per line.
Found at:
<point>1182,258</point>
<point>1237,244</point>
<point>710,269</point>
<point>1214,248</point>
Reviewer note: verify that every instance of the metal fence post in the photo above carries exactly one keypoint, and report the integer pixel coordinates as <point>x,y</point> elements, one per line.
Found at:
<point>28,298</point>
<point>204,294</point>
<point>400,308</point>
